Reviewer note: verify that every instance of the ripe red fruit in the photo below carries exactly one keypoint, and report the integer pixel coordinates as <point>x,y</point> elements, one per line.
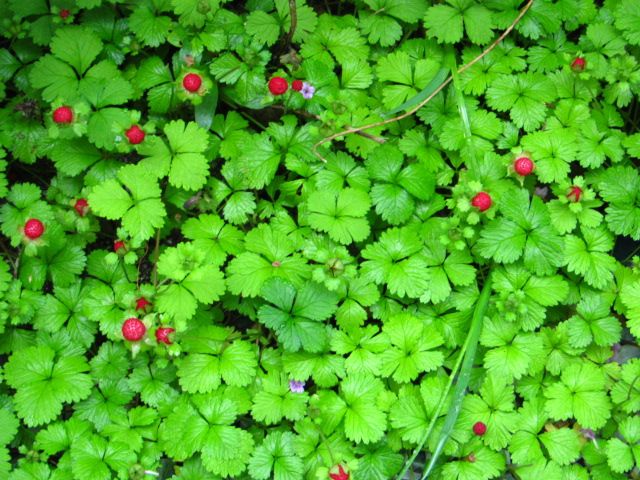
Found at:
<point>135,135</point>
<point>33,228</point>
<point>579,64</point>
<point>142,303</point>
<point>192,82</point>
<point>338,473</point>
<point>482,201</point>
<point>63,115</point>
<point>523,166</point>
<point>575,193</point>
<point>278,85</point>
<point>133,329</point>
<point>117,245</point>
<point>64,13</point>
<point>296,85</point>
<point>479,428</point>
<point>162,335</point>
<point>81,206</point>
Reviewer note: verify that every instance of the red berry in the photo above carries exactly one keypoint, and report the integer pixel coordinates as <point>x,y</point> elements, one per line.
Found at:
<point>579,64</point>
<point>575,193</point>
<point>63,115</point>
<point>64,13</point>
<point>142,303</point>
<point>523,166</point>
<point>479,428</point>
<point>162,335</point>
<point>117,245</point>
<point>338,473</point>
<point>192,82</point>
<point>133,329</point>
<point>81,206</point>
<point>135,135</point>
<point>278,85</point>
<point>33,228</point>
<point>296,85</point>
<point>482,201</point>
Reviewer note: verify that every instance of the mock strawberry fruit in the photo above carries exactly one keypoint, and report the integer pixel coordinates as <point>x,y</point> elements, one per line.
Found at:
<point>133,329</point>
<point>278,85</point>
<point>142,303</point>
<point>523,166</point>
<point>33,228</point>
<point>579,64</point>
<point>63,115</point>
<point>191,82</point>
<point>162,335</point>
<point>81,207</point>
<point>135,135</point>
<point>64,13</point>
<point>575,193</point>
<point>482,201</point>
<point>338,473</point>
<point>479,428</point>
<point>119,246</point>
<point>296,85</point>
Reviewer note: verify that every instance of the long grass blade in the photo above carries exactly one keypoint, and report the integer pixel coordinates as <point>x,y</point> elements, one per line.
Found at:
<point>483,301</point>
<point>462,382</point>
<point>424,93</point>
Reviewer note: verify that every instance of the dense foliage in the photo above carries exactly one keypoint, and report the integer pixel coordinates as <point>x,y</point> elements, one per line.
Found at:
<point>194,285</point>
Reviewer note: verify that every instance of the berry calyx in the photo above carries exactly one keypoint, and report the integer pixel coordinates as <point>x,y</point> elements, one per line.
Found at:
<point>296,85</point>
<point>142,303</point>
<point>133,329</point>
<point>575,193</point>
<point>33,228</point>
<point>64,13</point>
<point>162,335</point>
<point>579,64</point>
<point>523,166</point>
<point>278,85</point>
<point>135,135</point>
<point>191,82</point>
<point>119,245</point>
<point>63,115</point>
<point>482,201</point>
<point>338,473</point>
<point>479,428</point>
<point>81,206</point>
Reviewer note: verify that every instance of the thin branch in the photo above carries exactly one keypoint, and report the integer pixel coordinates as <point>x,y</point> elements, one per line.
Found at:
<point>430,97</point>
<point>293,13</point>
<point>302,113</point>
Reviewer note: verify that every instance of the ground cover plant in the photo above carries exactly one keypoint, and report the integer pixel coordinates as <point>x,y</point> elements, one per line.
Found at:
<point>288,240</point>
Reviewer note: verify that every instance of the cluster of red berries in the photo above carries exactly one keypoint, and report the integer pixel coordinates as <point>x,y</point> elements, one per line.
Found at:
<point>279,85</point>
<point>64,116</point>
<point>134,330</point>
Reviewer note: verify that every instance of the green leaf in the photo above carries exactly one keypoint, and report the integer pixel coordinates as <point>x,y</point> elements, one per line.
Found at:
<point>77,46</point>
<point>44,382</point>
<point>341,215</point>
<point>275,458</point>
<point>183,160</point>
<point>138,206</point>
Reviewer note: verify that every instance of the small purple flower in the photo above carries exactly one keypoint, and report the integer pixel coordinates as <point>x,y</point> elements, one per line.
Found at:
<point>307,90</point>
<point>296,387</point>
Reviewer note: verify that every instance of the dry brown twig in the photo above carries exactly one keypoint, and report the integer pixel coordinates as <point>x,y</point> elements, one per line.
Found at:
<point>413,110</point>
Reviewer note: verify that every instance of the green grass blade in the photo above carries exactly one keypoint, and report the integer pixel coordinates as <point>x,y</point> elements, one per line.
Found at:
<point>435,82</point>
<point>471,344</point>
<point>484,297</point>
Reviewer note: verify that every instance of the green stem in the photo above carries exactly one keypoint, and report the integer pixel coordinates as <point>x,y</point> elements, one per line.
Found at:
<point>476,322</point>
